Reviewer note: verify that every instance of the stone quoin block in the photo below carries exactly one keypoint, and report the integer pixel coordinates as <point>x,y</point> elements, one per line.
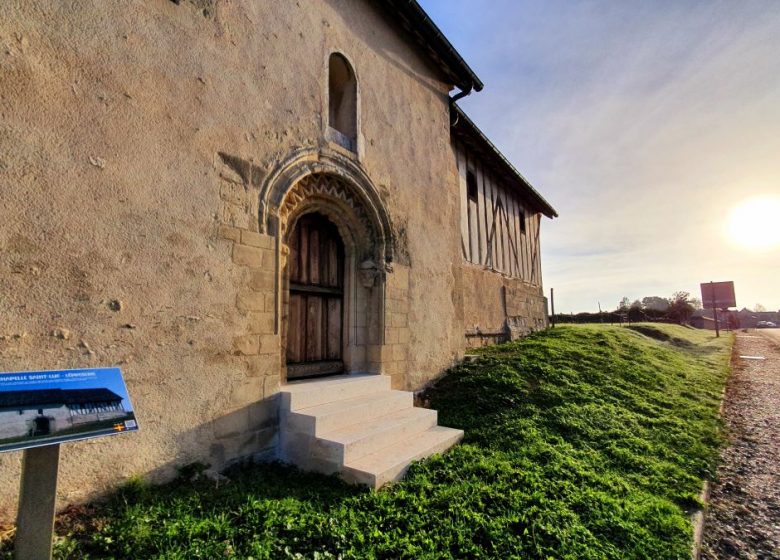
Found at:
<point>398,320</point>
<point>255,239</point>
<point>247,256</point>
<point>261,322</point>
<point>248,391</point>
<point>399,352</point>
<point>216,454</point>
<point>249,300</point>
<point>262,280</point>
<point>247,344</point>
<point>271,384</point>
<point>229,232</point>
<point>234,215</point>
<point>399,278</point>
<point>263,365</point>
<point>269,343</point>
<point>397,294</point>
<point>391,335</point>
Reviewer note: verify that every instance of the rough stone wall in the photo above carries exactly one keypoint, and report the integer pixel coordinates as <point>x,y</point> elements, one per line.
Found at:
<point>498,308</point>
<point>132,140</point>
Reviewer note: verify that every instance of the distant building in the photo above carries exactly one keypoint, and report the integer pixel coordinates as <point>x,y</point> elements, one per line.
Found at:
<point>48,411</point>
<point>743,319</point>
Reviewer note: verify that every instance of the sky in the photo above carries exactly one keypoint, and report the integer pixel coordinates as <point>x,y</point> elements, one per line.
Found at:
<point>646,125</point>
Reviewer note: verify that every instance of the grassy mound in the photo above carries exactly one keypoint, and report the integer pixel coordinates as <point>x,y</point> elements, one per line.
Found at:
<point>581,443</point>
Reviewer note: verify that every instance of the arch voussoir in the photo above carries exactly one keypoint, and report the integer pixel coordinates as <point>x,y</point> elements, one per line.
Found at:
<point>328,182</point>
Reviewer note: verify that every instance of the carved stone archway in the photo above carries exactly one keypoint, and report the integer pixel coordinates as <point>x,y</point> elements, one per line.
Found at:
<point>334,186</point>
<point>347,182</point>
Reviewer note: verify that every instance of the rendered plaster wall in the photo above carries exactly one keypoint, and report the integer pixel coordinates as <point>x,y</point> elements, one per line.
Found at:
<point>127,239</point>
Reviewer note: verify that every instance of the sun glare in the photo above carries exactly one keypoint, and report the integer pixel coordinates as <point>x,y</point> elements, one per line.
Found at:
<point>755,223</point>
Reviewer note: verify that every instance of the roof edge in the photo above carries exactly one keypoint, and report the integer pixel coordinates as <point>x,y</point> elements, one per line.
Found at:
<point>462,123</point>
<point>413,17</point>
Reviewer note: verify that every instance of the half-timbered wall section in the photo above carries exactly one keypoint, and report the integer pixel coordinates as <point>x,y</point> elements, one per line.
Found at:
<point>498,229</point>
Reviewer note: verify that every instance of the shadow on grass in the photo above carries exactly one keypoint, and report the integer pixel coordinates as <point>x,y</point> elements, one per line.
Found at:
<point>652,331</point>
<point>157,519</point>
<point>580,443</point>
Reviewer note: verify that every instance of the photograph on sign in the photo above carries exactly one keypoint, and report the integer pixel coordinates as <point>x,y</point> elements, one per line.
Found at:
<point>47,407</point>
<point>719,295</point>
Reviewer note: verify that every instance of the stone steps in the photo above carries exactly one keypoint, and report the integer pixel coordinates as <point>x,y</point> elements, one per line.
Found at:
<point>355,425</point>
<point>304,394</point>
<point>391,463</point>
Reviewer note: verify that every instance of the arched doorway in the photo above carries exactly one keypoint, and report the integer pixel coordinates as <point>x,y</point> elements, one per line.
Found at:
<point>315,328</point>
<point>337,189</point>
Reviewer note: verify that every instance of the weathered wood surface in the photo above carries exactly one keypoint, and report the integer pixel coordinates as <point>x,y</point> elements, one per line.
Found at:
<point>498,231</point>
<point>314,332</point>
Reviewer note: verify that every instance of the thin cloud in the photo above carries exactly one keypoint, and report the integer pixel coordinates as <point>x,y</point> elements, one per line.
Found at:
<point>643,123</point>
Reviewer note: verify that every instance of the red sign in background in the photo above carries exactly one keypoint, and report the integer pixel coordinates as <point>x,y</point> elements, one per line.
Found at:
<point>719,295</point>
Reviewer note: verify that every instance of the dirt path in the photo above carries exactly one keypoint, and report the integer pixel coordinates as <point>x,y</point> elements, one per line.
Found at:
<point>743,520</point>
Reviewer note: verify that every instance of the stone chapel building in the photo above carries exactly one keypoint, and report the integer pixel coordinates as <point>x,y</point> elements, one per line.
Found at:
<point>223,197</point>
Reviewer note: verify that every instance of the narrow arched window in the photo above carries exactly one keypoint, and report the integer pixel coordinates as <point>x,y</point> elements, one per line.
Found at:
<point>342,100</point>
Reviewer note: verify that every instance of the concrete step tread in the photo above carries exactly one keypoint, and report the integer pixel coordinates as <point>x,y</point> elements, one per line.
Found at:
<point>401,454</point>
<point>370,428</point>
<point>343,405</point>
<point>306,394</point>
<point>306,385</point>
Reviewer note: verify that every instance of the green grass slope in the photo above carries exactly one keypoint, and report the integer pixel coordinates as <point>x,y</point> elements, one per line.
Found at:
<point>582,442</point>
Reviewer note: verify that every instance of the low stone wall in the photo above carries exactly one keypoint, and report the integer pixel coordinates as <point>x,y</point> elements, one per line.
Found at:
<point>498,308</point>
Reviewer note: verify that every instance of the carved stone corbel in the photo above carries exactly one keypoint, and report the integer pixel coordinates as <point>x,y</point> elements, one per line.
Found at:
<point>369,271</point>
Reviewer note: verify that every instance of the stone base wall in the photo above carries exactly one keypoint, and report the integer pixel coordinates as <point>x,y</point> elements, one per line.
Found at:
<point>498,308</point>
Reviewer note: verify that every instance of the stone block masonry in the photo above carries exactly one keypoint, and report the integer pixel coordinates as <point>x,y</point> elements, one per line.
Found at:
<point>251,428</point>
<point>392,358</point>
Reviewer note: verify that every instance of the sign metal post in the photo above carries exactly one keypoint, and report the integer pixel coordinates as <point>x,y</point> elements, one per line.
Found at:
<point>715,312</point>
<point>38,490</point>
<point>719,295</point>
<point>552,306</point>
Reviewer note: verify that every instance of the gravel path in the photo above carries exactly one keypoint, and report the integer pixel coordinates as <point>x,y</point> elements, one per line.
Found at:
<point>743,520</point>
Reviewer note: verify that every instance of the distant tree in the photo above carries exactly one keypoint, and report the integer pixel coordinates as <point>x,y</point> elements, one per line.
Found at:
<point>624,305</point>
<point>758,308</point>
<point>655,303</point>
<point>680,307</point>
<point>635,312</point>
<point>695,302</point>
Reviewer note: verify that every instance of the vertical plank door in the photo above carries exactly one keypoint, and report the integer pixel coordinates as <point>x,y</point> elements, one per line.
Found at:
<point>314,330</point>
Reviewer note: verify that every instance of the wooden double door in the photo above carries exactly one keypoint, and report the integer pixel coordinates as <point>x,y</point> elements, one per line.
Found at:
<point>316,303</point>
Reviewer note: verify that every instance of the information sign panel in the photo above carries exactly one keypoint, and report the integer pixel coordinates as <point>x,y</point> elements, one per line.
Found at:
<point>48,407</point>
<point>718,294</point>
